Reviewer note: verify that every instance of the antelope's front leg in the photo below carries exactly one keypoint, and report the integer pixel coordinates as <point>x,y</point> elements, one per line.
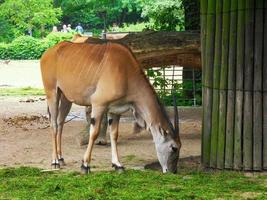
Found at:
<point>96,117</point>
<point>114,127</point>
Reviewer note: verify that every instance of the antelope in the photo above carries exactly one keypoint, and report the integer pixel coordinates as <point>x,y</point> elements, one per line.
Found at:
<point>108,77</point>
<point>101,139</point>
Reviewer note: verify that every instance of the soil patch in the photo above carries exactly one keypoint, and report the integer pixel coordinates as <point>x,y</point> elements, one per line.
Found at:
<point>25,139</point>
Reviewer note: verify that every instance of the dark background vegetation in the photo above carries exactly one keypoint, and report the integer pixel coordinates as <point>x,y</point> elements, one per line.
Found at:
<point>18,17</point>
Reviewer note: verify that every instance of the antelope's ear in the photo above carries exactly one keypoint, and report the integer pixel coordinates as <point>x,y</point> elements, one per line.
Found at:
<point>140,121</point>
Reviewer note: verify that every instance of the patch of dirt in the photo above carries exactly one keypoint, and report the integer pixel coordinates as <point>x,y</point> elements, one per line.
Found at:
<point>25,142</point>
<point>31,100</point>
<point>250,195</point>
<point>26,122</point>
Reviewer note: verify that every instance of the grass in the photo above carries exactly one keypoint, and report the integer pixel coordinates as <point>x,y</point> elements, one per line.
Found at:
<point>31,183</point>
<point>25,91</point>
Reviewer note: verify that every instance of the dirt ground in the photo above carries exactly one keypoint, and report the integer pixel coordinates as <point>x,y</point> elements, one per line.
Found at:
<point>25,138</point>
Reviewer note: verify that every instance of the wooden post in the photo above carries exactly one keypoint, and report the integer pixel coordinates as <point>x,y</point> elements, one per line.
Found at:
<point>248,86</point>
<point>203,21</point>
<point>208,80</point>
<point>257,95</point>
<point>223,84</point>
<point>265,90</point>
<point>239,86</point>
<point>229,141</point>
<point>216,84</point>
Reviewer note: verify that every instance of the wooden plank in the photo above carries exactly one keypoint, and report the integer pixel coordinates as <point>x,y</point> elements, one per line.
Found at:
<point>203,21</point>
<point>208,71</point>
<point>216,84</point>
<point>248,86</point>
<point>239,86</point>
<point>265,89</point>
<point>223,84</point>
<point>257,96</point>
<point>229,141</point>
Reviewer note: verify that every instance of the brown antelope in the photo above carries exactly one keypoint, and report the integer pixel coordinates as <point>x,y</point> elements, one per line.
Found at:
<point>101,139</point>
<point>107,77</point>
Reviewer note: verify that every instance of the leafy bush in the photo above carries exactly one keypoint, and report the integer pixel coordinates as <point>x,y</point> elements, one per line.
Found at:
<point>183,91</point>
<point>165,15</point>
<point>132,27</point>
<point>54,38</point>
<point>27,47</point>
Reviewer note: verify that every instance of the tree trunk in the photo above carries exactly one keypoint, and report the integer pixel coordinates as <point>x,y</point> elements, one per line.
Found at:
<point>192,22</point>
<point>157,49</point>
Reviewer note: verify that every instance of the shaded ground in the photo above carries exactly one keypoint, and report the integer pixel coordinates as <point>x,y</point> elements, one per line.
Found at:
<point>25,138</point>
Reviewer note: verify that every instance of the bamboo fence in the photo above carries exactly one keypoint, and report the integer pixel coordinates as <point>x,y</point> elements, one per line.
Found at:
<point>234,60</point>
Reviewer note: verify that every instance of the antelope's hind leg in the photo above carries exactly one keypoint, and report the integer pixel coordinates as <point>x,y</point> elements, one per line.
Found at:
<point>113,122</point>
<point>52,103</point>
<point>64,109</point>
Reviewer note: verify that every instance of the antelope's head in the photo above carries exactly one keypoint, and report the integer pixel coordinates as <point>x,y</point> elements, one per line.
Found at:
<point>166,138</point>
<point>167,142</point>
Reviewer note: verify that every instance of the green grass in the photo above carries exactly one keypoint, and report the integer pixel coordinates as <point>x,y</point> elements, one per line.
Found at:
<point>25,91</point>
<point>31,183</point>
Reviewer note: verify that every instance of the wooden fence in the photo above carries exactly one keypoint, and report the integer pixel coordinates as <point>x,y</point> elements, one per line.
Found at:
<point>234,60</point>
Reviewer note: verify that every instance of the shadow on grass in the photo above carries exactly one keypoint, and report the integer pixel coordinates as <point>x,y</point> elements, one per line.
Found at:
<point>187,164</point>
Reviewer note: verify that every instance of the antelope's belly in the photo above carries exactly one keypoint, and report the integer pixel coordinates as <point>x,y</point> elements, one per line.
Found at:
<point>80,95</point>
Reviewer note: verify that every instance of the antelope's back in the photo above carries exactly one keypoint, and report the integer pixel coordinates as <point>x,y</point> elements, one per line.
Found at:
<point>76,68</point>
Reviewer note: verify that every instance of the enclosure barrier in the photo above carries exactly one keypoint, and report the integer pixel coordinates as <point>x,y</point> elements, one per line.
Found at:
<point>171,80</point>
<point>234,60</point>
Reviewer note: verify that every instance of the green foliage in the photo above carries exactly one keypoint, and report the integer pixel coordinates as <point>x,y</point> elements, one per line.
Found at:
<point>18,17</point>
<point>138,27</point>
<point>30,15</point>
<point>54,38</point>
<point>31,183</point>
<point>180,90</point>
<point>7,31</point>
<point>93,13</point>
<point>192,14</point>
<point>165,15</point>
<point>27,47</point>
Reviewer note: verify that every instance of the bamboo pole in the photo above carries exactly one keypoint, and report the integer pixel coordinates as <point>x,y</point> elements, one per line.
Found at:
<point>239,86</point>
<point>208,70</point>
<point>248,86</point>
<point>223,84</point>
<point>203,19</point>
<point>229,141</point>
<point>257,97</point>
<point>265,89</point>
<point>216,84</point>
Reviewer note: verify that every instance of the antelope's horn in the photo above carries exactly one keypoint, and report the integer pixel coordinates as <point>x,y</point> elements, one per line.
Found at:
<point>176,117</point>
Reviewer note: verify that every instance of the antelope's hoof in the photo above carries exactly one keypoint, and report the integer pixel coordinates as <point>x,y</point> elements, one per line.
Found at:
<point>55,166</point>
<point>85,169</point>
<point>119,169</point>
<point>62,162</point>
<point>101,141</point>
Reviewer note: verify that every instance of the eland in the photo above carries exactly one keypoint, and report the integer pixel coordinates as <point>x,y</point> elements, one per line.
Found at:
<point>107,76</point>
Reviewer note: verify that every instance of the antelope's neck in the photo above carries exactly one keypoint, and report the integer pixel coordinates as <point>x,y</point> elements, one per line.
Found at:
<point>146,102</point>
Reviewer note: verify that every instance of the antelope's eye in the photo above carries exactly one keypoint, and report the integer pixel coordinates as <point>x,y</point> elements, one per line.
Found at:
<point>174,149</point>
<point>165,133</point>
